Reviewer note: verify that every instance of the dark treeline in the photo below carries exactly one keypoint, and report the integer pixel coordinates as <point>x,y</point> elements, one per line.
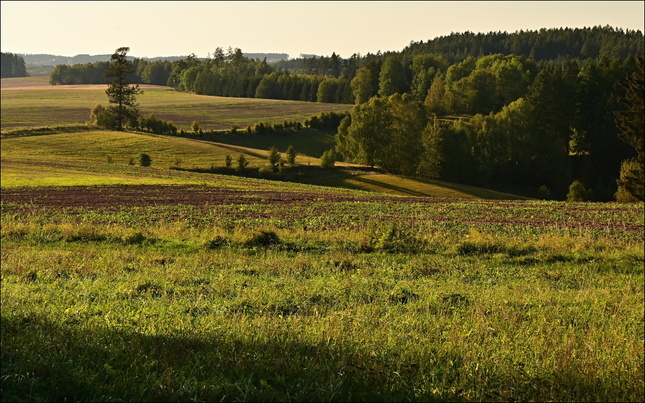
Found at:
<point>558,128</point>
<point>531,109</point>
<point>12,65</point>
<point>356,79</point>
<point>542,45</point>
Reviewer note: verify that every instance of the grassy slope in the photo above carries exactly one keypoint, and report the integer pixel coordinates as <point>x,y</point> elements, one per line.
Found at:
<point>82,158</point>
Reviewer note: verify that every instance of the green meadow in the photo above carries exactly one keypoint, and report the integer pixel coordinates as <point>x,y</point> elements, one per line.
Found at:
<point>170,283</point>
<point>31,102</point>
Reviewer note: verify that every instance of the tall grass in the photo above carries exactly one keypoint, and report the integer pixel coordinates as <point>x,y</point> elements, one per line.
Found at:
<point>150,306</point>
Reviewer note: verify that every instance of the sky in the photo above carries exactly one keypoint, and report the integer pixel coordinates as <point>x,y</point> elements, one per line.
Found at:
<point>179,28</point>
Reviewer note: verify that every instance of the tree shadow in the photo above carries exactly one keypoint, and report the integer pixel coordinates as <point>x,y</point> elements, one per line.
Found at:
<point>45,361</point>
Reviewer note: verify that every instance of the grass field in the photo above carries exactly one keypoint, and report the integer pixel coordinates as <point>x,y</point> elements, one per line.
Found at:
<point>130,283</point>
<point>244,291</point>
<point>25,104</point>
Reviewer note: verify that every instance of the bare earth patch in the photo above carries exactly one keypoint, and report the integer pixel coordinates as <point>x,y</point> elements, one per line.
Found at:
<point>41,83</point>
<point>98,197</point>
<point>93,87</point>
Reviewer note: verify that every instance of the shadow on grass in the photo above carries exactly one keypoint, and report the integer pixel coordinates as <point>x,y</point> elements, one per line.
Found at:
<point>44,361</point>
<point>474,191</point>
<point>389,186</point>
<point>307,141</point>
<point>42,131</point>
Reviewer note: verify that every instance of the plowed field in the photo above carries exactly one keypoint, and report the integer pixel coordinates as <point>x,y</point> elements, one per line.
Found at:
<point>101,197</point>
<point>614,218</point>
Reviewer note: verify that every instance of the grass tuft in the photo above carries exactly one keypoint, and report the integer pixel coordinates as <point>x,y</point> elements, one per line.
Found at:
<point>263,239</point>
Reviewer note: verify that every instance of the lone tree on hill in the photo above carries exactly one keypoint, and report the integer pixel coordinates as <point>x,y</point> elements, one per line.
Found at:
<point>119,92</point>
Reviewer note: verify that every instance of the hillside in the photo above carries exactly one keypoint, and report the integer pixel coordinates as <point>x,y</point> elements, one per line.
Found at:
<point>53,60</point>
<point>106,158</point>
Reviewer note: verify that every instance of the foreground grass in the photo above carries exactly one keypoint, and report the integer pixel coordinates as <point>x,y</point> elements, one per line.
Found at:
<point>457,301</point>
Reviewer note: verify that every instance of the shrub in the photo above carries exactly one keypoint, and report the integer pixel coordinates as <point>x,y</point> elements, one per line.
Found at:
<point>398,239</point>
<point>152,124</point>
<point>328,159</point>
<point>195,127</point>
<point>241,163</point>
<point>291,155</point>
<point>578,192</point>
<point>263,238</point>
<point>263,128</point>
<point>228,161</point>
<point>544,192</point>
<point>145,160</point>
<point>104,117</point>
<point>326,120</point>
<point>630,184</point>
<point>274,157</point>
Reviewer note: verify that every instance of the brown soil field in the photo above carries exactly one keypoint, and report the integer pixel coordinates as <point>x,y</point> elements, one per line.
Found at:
<point>144,87</point>
<point>120,196</point>
<point>42,83</point>
<point>471,212</point>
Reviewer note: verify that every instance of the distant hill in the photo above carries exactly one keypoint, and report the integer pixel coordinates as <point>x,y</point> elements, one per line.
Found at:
<point>53,60</point>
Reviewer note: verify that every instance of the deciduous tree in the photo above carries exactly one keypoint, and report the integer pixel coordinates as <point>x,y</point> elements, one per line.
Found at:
<point>362,85</point>
<point>392,77</point>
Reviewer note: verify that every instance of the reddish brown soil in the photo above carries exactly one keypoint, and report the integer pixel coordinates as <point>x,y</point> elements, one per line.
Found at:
<point>15,86</point>
<point>477,213</point>
<point>101,197</point>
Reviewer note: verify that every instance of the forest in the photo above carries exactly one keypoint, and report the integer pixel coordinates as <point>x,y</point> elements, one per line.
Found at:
<point>531,109</point>
<point>12,65</point>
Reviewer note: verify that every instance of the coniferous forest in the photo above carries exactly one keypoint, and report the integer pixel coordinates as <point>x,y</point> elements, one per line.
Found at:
<point>533,110</point>
<point>12,65</point>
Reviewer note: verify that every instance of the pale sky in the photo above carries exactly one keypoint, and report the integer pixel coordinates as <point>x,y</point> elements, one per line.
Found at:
<point>179,28</point>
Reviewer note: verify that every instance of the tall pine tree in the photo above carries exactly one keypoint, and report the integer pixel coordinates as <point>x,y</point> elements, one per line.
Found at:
<point>119,92</point>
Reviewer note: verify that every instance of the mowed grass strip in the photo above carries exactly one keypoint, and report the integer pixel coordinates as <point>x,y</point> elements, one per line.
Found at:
<point>36,106</point>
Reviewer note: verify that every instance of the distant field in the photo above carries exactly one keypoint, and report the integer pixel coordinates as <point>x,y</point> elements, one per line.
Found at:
<point>31,102</point>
